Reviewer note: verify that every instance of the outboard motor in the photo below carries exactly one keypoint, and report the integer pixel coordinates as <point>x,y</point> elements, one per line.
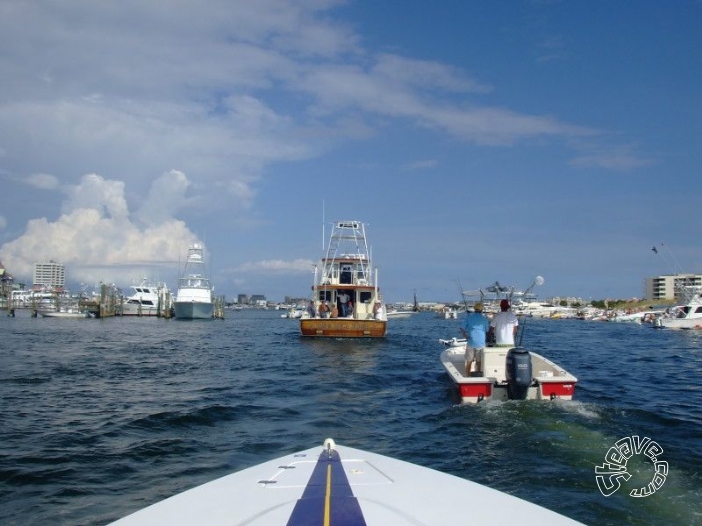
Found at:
<point>518,373</point>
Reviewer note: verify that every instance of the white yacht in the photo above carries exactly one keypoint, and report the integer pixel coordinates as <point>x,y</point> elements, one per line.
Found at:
<point>687,316</point>
<point>146,300</point>
<point>194,297</point>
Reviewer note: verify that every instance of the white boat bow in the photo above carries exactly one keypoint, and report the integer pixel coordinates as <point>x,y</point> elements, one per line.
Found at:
<point>335,484</point>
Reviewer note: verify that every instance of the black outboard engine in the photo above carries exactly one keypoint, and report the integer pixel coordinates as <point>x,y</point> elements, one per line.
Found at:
<point>518,373</point>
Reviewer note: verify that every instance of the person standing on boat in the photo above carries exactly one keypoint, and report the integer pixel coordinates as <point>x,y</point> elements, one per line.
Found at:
<point>474,330</point>
<point>378,311</point>
<point>310,310</point>
<point>343,303</point>
<point>504,326</point>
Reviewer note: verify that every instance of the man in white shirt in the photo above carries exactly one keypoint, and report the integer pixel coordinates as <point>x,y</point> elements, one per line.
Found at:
<point>504,326</point>
<point>343,304</point>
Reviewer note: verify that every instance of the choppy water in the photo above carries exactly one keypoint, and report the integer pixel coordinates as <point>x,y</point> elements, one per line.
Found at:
<point>102,417</point>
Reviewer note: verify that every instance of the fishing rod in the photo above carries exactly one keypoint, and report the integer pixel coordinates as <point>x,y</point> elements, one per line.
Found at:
<point>460,291</point>
<point>538,280</point>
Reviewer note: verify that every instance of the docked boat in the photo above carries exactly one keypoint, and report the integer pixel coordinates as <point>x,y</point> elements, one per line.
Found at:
<point>194,296</point>
<point>65,313</point>
<point>334,484</point>
<point>508,374</point>
<point>345,291</point>
<point>687,316</point>
<point>146,300</point>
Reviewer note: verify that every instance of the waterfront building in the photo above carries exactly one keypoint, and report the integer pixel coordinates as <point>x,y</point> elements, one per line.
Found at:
<point>50,275</point>
<point>670,286</point>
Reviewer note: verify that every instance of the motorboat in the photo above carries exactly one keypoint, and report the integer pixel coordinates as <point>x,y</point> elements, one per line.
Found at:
<point>345,290</point>
<point>393,314</point>
<point>335,484</point>
<point>508,374</point>
<point>65,313</point>
<point>447,313</point>
<point>293,313</point>
<point>194,296</point>
<point>146,300</point>
<point>686,316</point>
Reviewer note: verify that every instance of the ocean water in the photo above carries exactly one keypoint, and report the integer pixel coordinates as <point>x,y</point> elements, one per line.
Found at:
<point>102,417</point>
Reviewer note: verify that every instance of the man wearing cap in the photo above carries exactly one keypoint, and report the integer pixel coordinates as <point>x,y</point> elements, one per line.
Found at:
<point>504,326</point>
<point>474,329</point>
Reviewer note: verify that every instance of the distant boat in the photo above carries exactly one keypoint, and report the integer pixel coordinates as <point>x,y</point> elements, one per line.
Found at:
<point>687,316</point>
<point>345,293</point>
<point>194,296</point>
<point>65,313</point>
<point>146,300</point>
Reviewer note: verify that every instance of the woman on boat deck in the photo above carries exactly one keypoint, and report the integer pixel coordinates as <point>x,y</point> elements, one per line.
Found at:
<point>324,310</point>
<point>474,329</point>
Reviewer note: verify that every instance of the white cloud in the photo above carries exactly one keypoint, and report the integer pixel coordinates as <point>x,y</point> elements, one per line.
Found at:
<point>42,181</point>
<point>95,232</point>
<point>165,198</point>
<point>298,266</point>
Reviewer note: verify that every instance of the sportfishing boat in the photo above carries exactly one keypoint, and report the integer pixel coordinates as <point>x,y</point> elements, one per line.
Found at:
<point>194,297</point>
<point>687,316</point>
<point>345,292</point>
<point>334,484</point>
<point>146,300</point>
<point>508,374</point>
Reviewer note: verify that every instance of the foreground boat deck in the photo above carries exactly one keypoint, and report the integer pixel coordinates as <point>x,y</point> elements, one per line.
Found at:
<point>335,484</point>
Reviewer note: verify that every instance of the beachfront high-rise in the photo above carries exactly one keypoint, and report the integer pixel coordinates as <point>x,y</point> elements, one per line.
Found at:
<point>669,286</point>
<point>49,274</point>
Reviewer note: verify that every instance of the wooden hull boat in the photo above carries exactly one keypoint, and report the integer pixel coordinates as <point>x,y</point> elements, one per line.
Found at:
<point>334,484</point>
<point>343,328</point>
<point>345,292</point>
<point>507,374</point>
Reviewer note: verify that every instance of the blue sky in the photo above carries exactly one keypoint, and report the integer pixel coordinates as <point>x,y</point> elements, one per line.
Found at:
<point>479,141</point>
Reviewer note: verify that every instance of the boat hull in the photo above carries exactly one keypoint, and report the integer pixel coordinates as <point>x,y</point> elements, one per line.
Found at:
<point>549,382</point>
<point>192,310</point>
<point>136,310</point>
<point>678,323</point>
<point>334,484</point>
<point>342,328</point>
<point>75,315</point>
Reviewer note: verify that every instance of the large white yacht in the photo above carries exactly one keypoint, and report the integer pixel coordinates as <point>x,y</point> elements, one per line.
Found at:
<point>194,297</point>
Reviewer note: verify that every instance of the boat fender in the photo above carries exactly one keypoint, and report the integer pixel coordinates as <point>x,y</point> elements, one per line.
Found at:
<point>518,373</point>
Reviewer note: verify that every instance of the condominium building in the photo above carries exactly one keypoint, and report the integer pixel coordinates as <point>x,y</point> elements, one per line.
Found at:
<point>670,286</point>
<point>50,274</point>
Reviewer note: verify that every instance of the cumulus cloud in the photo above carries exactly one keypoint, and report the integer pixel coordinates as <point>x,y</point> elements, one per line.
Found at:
<point>95,237</point>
